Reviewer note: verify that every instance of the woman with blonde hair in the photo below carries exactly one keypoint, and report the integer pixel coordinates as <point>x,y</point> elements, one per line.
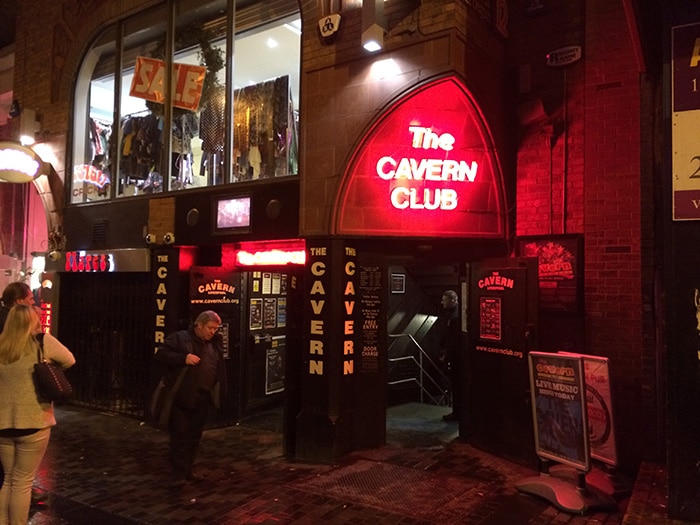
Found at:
<point>25,418</point>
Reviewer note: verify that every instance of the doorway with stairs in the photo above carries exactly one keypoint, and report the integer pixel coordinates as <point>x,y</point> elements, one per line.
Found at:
<point>419,391</point>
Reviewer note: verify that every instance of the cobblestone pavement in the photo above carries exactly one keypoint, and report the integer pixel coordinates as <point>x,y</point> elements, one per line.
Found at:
<point>111,470</point>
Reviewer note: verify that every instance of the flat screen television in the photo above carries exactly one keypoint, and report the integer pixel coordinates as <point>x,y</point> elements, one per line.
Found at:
<point>231,214</point>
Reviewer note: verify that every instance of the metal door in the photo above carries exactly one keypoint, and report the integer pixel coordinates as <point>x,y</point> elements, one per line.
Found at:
<point>104,320</point>
<point>502,324</point>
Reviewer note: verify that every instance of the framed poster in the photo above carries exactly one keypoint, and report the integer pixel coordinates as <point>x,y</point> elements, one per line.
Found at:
<point>490,316</point>
<point>269,313</point>
<point>274,365</point>
<point>256,322</point>
<point>560,270</point>
<point>398,283</point>
<point>559,412</point>
<point>281,312</point>
<point>266,283</point>
<point>276,283</point>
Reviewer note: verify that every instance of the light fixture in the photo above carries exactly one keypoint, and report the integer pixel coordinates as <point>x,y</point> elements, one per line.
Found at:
<point>28,127</point>
<point>372,25</point>
<point>15,110</point>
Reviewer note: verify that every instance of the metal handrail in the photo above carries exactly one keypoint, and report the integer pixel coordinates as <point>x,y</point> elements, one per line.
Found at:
<point>423,376</point>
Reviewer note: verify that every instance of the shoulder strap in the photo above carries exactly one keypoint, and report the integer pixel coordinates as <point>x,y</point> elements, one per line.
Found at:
<point>40,350</point>
<point>180,377</point>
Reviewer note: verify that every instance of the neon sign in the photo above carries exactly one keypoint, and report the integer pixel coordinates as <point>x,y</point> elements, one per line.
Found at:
<point>91,175</point>
<point>45,317</point>
<point>270,257</point>
<point>428,167</point>
<point>496,281</point>
<point>82,262</point>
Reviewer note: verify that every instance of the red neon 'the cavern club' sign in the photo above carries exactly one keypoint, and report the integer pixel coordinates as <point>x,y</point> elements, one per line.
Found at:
<point>428,167</point>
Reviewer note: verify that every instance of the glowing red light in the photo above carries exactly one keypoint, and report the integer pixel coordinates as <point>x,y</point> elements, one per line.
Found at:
<point>427,168</point>
<point>270,257</point>
<point>271,253</point>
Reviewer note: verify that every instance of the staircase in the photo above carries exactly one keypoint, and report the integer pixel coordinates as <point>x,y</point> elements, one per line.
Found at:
<point>414,327</point>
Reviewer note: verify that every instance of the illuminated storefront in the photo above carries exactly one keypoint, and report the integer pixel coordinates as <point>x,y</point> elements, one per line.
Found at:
<point>352,181</point>
<point>161,187</point>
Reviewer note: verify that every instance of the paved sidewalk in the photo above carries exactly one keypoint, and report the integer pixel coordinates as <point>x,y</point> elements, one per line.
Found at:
<point>111,470</point>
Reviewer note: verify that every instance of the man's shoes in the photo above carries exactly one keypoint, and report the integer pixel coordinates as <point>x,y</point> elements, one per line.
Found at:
<point>39,496</point>
<point>194,476</point>
<point>450,417</point>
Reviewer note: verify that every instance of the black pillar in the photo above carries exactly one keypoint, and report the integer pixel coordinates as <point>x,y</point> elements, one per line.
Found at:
<point>325,423</point>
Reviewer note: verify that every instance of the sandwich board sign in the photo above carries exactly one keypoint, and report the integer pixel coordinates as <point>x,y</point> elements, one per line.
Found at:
<point>559,408</point>
<point>601,424</point>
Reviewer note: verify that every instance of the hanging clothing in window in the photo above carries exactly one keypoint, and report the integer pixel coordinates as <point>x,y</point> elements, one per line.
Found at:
<point>141,146</point>
<point>212,131</point>
<point>185,128</point>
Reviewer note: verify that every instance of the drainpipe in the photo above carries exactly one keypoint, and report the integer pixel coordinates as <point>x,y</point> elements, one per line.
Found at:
<point>565,163</point>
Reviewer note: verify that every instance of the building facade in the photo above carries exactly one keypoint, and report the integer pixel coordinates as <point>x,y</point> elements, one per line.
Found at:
<point>483,135</point>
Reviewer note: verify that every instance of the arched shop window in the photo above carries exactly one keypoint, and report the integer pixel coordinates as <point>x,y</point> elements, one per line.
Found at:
<point>218,126</point>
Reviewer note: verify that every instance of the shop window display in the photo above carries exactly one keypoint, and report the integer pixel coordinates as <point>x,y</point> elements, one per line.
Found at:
<point>124,143</point>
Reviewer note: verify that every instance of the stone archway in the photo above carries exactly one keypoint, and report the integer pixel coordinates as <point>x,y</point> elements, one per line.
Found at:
<point>21,165</point>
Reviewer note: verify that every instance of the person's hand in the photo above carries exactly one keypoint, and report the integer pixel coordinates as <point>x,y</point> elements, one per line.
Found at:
<point>191,359</point>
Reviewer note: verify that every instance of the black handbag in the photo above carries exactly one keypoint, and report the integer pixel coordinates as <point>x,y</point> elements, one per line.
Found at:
<point>161,403</point>
<point>50,381</point>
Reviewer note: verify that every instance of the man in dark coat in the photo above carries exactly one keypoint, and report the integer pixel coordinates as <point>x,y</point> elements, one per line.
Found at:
<point>198,349</point>
<point>452,352</point>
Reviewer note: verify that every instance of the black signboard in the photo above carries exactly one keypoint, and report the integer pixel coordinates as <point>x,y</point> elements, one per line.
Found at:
<point>274,366</point>
<point>560,270</point>
<point>370,309</point>
<point>559,408</point>
<point>686,95</point>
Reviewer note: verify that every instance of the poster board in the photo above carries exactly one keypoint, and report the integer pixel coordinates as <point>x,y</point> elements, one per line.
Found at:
<point>601,423</point>
<point>274,365</point>
<point>685,117</point>
<point>560,270</point>
<point>559,408</point>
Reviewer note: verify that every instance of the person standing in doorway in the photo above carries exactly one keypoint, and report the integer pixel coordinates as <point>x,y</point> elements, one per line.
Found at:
<point>451,352</point>
<point>197,354</point>
<point>14,293</point>
<point>25,418</point>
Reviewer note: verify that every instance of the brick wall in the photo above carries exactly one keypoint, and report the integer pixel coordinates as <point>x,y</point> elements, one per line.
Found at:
<point>579,170</point>
<point>51,40</point>
<point>615,273</point>
<point>345,94</point>
<point>576,158</point>
<point>550,116</point>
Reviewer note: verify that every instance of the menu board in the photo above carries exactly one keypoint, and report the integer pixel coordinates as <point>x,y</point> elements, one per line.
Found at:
<point>370,308</point>
<point>490,317</point>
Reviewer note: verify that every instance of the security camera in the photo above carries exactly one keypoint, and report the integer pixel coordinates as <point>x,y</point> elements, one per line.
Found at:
<point>54,255</point>
<point>169,238</point>
<point>149,238</point>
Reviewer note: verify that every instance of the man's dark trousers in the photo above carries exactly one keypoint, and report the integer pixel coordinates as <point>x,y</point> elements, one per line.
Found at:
<point>186,427</point>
